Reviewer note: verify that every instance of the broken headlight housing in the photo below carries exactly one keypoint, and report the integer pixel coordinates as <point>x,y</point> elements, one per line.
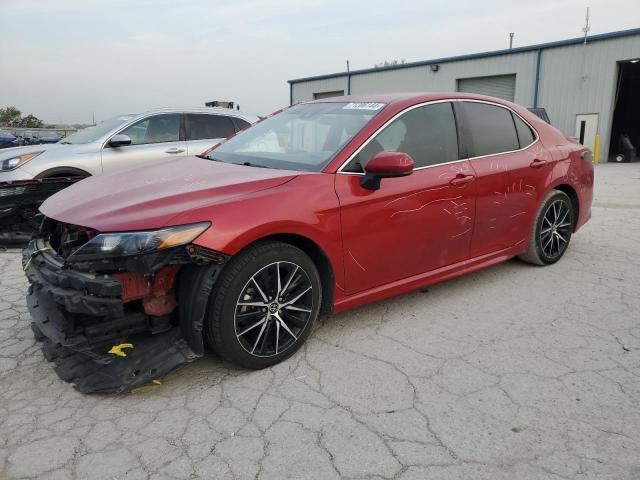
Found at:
<point>111,245</point>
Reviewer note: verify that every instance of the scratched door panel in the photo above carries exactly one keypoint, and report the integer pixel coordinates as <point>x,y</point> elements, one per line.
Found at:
<point>496,207</point>
<point>411,225</point>
<point>526,190</point>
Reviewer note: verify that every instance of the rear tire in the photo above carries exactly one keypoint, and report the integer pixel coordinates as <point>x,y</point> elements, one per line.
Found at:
<point>264,305</point>
<point>552,229</point>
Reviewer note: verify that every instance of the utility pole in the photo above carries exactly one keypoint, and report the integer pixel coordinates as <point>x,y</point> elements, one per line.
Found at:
<point>586,27</point>
<point>511,40</point>
<point>347,66</point>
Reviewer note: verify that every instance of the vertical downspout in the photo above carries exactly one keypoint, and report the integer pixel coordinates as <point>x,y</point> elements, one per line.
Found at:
<point>537,78</point>
<point>290,93</point>
<point>348,84</point>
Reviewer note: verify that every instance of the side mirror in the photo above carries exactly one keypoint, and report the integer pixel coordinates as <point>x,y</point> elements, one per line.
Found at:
<point>120,140</point>
<point>386,165</point>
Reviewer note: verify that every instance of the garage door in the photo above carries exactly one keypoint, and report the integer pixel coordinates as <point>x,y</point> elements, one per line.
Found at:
<point>501,86</point>
<point>319,95</point>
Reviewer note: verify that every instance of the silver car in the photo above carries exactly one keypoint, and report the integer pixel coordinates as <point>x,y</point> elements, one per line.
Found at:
<point>124,141</point>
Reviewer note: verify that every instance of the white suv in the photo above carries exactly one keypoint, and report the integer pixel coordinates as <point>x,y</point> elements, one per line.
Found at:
<point>123,141</point>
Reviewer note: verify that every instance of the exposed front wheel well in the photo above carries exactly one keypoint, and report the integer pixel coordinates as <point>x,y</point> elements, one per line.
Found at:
<point>319,258</point>
<point>62,172</point>
<point>573,196</point>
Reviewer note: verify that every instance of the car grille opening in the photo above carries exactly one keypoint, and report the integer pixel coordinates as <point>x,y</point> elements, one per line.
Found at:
<point>65,239</point>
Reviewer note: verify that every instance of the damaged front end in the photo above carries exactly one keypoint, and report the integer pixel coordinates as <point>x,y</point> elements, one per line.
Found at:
<point>116,311</point>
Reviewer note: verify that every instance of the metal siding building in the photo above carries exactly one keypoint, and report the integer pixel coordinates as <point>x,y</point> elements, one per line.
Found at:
<point>568,78</point>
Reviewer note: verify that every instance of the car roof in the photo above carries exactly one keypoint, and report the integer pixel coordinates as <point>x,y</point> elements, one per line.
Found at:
<point>409,98</point>
<point>218,110</point>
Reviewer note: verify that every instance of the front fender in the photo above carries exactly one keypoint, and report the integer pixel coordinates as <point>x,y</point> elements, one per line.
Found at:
<point>306,206</point>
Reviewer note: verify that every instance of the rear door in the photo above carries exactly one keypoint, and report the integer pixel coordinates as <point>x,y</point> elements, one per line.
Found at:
<point>153,138</point>
<point>412,224</point>
<point>204,130</point>
<point>509,174</point>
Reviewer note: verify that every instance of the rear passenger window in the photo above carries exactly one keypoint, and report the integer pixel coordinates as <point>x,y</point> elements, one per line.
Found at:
<point>205,126</point>
<point>525,135</point>
<point>428,134</point>
<point>491,129</point>
<point>155,129</point>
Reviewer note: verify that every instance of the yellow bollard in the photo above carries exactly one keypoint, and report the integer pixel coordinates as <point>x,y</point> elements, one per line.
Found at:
<point>596,151</point>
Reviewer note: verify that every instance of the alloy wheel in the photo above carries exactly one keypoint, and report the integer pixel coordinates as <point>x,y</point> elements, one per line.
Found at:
<point>556,229</point>
<point>273,309</point>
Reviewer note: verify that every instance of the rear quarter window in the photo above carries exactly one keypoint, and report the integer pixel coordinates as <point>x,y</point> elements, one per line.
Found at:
<point>206,126</point>
<point>525,136</point>
<point>240,123</point>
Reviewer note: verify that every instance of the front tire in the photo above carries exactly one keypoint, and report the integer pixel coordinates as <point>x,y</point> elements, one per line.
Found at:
<point>552,229</point>
<point>264,305</point>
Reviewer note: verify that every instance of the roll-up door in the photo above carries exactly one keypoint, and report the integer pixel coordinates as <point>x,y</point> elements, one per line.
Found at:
<point>501,86</point>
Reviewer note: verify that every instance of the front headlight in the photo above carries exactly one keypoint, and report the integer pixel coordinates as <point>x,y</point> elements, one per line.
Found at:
<point>106,245</point>
<point>18,160</point>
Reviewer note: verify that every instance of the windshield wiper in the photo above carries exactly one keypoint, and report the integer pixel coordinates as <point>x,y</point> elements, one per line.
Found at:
<point>249,164</point>
<point>207,157</point>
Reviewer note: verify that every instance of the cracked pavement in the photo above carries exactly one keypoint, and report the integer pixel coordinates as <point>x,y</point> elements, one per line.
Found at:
<point>511,372</point>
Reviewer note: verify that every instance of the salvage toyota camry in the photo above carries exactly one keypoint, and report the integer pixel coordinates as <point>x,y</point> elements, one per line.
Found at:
<point>324,206</point>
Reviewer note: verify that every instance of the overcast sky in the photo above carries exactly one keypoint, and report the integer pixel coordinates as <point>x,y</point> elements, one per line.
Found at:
<point>64,59</point>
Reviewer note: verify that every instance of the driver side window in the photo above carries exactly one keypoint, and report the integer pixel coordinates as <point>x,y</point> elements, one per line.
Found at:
<point>428,134</point>
<point>155,129</point>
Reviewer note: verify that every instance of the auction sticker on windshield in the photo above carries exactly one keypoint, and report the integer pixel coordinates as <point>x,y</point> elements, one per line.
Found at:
<point>363,106</point>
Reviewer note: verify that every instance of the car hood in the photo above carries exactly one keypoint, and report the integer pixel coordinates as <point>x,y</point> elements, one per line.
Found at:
<point>148,197</point>
<point>51,150</point>
<point>12,152</point>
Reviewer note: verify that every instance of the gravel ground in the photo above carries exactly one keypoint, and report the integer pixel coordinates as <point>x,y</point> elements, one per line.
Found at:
<point>512,372</point>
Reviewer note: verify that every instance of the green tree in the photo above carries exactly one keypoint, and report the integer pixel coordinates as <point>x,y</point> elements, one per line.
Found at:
<point>389,63</point>
<point>10,117</point>
<point>31,122</point>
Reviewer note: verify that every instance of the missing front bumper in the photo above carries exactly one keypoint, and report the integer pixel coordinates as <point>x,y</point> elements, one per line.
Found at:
<point>79,317</point>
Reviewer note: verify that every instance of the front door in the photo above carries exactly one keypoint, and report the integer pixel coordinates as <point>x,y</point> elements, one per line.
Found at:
<point>412,224</point>
<point>153,138</point>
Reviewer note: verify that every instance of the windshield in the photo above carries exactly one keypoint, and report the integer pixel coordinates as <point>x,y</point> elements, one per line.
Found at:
<point>305,137</point>
<point>92,134</point>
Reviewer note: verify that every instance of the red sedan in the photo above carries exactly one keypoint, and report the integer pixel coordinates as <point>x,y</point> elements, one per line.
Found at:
<point>324,206</point>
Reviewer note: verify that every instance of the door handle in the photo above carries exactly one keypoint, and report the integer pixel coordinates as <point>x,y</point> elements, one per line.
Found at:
<point>461,179</point>
<point>174,150</point>
<point>537,163</point>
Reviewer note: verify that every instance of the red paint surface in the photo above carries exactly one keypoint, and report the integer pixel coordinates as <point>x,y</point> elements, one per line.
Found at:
<point>434,224</point>
<point>157,293</point>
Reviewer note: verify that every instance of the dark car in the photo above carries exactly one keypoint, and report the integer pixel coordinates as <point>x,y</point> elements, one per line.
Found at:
<point>325,206</point>
<point>7,139</point>
<point>27,137</point>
